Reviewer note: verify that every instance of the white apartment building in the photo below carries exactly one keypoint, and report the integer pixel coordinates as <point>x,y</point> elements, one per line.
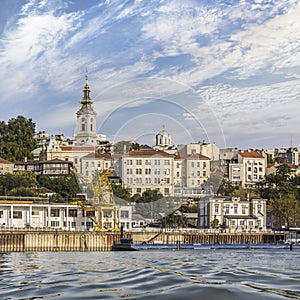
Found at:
<point>143,170</point>
<point>248,168</point>
<point>233,214</point>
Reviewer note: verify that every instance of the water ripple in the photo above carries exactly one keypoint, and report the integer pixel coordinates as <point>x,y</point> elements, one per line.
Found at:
<point>151,275</point>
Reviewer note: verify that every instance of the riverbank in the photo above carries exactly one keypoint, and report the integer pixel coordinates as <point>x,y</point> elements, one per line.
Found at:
<point>21,240</point>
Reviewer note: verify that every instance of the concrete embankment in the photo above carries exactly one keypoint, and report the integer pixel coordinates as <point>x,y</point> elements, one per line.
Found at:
<point>55,240</point>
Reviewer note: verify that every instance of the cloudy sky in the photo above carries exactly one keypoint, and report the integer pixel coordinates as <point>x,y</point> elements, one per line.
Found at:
<point>221,71</point>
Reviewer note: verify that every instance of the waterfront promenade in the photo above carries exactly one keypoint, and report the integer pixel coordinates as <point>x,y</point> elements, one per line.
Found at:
<point>29,240</point>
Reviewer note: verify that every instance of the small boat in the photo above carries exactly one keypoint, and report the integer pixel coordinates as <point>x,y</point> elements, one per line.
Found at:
<point>125,244</point>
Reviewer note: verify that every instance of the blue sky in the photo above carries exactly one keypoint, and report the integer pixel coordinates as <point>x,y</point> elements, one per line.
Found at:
<point>222,71</point>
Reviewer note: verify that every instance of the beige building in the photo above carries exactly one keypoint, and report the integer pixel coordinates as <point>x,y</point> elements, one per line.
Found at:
<point>6,166</point>
<point>95,162</point>
<point>143,170</point>
<point>206,149</point>
<point>190,173</point>
<point>233,214</point>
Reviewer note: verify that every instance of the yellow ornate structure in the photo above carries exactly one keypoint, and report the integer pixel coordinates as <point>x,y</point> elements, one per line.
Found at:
<point>100,198</point>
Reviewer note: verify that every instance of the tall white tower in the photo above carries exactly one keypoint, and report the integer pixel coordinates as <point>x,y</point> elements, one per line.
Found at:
<point>86,119</point>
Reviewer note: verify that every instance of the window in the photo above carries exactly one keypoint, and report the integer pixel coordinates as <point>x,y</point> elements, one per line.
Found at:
<point>235,209</point>
<point>54,212</point>
<point>204,173</point>
<point>1,214</point>
<point>35,213</point>
<point>243,209</point>
<point>216,208</point>
<point>178,165</point>
<point>73,224</point>
<point>227,209</point>
<point>138,171</point>
<point>157,171</point>
<point>156,180</point>
<point>242,222</point>
<point>147,171</point>
<point>139,162</point>
<point>204,165</point>
<point>17,214</point>
<point>198,164</point>
<point>90,214</point>
<point>166,162</point>
<point>124,213</point>
<point>139,190</point>
<point>129,171</point>
<point>250,223</point>
<point>167,191</point>
<point>148,180</point>
<point>54,223</point>
<point>129,162</point>
<point>177,174</point>
<point>192,164</point>
<point>157,162</point>
<point>232,222</point>
<point>148,162</point>
<point>249,169</point>
<point>73,213</point>
<point>89,225</point>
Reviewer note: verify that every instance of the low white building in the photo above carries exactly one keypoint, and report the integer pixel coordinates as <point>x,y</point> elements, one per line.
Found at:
<point>33,214</point>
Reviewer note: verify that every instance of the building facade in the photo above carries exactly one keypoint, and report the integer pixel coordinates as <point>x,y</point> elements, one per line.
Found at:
<point>233,214</point>
<point>143,170</point>
<point>6,166</point>
<point>247,168</point>
<point>40,214</point>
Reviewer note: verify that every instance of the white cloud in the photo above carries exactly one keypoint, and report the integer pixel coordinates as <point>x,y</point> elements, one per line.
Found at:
<point>261,111</point>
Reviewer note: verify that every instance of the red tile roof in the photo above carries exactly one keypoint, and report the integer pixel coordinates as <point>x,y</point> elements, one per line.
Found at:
<point>77,148</point>
<point>250,154</point>
<point>149,153</point>
<point>4,161</point>
<point>98,155</point>
<point>191,156</point>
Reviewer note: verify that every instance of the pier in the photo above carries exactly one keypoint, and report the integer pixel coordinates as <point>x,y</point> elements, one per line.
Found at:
<point>28,240</point>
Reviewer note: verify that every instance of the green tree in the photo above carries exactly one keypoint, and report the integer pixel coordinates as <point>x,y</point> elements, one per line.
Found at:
<point>286,210</point>
<point>226,188</point>
<point>121,192</point>
<point>17,139</point>
<point>24,179</point>
<point>21,192</point>
<point>65,186</point>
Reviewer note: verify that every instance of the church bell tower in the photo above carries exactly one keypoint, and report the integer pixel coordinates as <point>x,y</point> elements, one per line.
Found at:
<point>86,119</point>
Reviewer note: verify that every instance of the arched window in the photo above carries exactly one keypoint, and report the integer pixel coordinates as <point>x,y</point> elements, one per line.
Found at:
<point>83,124</point>
<point>91,126</point>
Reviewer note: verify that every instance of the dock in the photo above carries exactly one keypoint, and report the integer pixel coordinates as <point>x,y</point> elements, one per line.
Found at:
<point>32,240</point>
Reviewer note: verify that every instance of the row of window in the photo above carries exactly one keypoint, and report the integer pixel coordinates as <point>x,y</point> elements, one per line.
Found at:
<point>54,212</point>
<point>148,180</point>
<point>148,162</point>
<point>235,209</point>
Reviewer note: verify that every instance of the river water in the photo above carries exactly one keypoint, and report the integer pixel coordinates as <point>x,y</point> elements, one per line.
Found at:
<point>183,274</point>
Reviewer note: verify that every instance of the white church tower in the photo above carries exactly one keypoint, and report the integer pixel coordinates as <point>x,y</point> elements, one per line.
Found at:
<point>86,119</point>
